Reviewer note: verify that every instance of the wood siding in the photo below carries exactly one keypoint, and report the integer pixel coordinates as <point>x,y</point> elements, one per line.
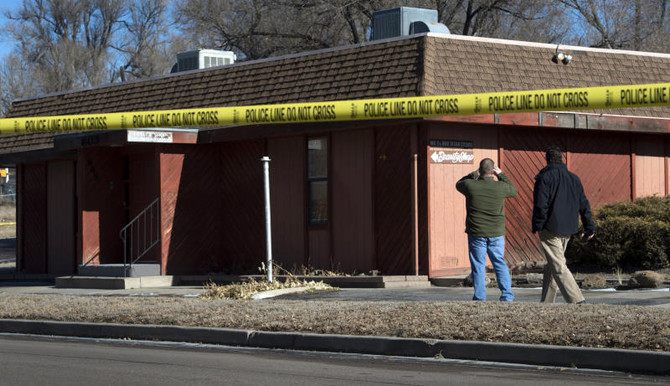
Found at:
<point>61,215</point>
<point>352,202</point>
<point>598,158</point>
<point>242,205</point>
<point>524,156</point>
<point>287,194</point>
<point>101,187</point>
<point>318,240</point>
<point>448,242</point>
<point>392,202</point>
<point>649,166</point>
<point>33,206</point>
<point>602,161</point>
<point>191,210</point>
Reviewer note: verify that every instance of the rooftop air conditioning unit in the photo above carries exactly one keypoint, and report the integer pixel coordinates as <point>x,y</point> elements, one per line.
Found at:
<point>402,21</point>
<point>199,59</point>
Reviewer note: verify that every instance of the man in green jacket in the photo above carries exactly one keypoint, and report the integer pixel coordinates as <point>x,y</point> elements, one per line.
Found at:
<point>485,225</point>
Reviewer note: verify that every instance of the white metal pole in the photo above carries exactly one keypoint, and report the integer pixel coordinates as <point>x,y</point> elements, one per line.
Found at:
<point>268,220</point>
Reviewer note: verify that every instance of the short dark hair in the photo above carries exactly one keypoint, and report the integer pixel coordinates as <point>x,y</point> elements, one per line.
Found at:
<point>486,166</point>
<point>554,155</point>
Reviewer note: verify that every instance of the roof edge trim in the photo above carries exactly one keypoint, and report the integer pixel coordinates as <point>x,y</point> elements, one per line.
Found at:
<point>552,46</point>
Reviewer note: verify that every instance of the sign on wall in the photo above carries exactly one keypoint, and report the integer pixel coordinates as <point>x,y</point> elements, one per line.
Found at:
<point>451,156</point>
<point>149,136</point>
<point>450,143</point>
<point>446,151</point>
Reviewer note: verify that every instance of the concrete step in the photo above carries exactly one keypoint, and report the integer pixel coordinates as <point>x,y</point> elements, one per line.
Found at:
<point>449,281</point>
<point>409,281</point>
<point>118,270</point>
<point>102,282</point>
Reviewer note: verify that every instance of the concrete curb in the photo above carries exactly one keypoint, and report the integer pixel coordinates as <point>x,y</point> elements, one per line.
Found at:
<point>114,282</point>
<point>633,361</point>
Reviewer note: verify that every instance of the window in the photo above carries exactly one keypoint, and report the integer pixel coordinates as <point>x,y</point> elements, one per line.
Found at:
<point>317,180</point>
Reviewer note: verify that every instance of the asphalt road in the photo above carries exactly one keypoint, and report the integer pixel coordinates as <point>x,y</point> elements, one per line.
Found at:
<point>28,360</point>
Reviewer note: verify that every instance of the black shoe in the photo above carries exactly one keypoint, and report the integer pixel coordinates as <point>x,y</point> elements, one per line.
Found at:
<point>582,302</point>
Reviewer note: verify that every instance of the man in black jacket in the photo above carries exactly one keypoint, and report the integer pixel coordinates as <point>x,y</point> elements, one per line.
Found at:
<point>558,202</point>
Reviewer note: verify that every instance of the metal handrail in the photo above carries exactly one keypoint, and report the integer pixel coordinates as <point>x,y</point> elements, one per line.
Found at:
<point>140,235</point>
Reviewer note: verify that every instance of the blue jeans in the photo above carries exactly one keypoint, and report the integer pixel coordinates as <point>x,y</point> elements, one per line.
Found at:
<point>495,247</point>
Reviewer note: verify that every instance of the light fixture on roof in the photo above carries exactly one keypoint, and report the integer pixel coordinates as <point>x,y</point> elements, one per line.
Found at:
<point>560,56</point>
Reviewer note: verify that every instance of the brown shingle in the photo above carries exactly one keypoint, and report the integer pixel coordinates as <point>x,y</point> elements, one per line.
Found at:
<point>462,64</point>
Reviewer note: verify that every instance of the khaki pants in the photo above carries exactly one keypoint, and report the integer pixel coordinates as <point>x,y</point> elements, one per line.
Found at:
<point>556,273</point>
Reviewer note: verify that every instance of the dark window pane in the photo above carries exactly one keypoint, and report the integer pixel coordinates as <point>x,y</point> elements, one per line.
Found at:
<point>317,157</point>
<point>318,199</point>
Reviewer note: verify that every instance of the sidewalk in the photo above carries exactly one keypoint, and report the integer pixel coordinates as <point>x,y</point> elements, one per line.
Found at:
<point>656,297</point>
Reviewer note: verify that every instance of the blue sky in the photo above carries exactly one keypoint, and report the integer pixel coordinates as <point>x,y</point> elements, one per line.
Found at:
<point>5,45</point>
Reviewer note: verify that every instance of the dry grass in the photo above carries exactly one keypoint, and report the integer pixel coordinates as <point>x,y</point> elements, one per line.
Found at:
<point>245,290</point>
<point>627,327</point>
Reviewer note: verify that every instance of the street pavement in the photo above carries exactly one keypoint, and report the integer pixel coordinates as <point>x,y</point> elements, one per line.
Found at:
<point>73,361</point>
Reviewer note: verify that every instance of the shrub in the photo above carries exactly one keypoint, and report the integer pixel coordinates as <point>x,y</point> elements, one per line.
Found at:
<point>594,281</point>
<point>645,279</point>
<point>632,235</point>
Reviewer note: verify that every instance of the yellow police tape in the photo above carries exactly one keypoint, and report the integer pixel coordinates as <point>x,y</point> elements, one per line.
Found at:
<point>607,97</point>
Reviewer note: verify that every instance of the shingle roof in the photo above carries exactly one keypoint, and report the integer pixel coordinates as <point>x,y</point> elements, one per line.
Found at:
<point>357,72</point>
<point>461,65</point>
<point>410,66</point>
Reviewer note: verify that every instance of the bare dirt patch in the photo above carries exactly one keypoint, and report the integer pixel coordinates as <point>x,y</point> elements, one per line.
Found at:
<point>626,327</point>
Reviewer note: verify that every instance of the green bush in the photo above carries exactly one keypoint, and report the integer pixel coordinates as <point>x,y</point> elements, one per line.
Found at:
<point>630,235</point>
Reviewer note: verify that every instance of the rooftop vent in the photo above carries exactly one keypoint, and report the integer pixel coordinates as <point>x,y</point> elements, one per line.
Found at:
<point>404,21</point>
<point>199,59</point>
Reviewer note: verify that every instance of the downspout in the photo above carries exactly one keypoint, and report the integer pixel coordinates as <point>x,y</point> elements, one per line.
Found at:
<point>268,220</point>
<point>414,196</point>
<point>415,214</point>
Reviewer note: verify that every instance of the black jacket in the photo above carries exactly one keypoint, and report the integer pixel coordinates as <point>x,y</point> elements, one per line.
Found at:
<point>559,202</point>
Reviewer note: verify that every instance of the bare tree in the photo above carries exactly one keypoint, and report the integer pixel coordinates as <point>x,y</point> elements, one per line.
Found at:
<point>521,19</point>
<point>65,42</point>
<point>260,28</point>
<point>15,81</point>
<point>629,24</point>
<point>147,44</point>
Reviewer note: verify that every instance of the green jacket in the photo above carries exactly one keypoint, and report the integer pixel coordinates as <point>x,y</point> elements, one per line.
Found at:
<point>484,203</point>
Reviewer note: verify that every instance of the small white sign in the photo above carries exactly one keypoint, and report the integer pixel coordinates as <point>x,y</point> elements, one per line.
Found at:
<point>149,136</point>
<point>452,157</point>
